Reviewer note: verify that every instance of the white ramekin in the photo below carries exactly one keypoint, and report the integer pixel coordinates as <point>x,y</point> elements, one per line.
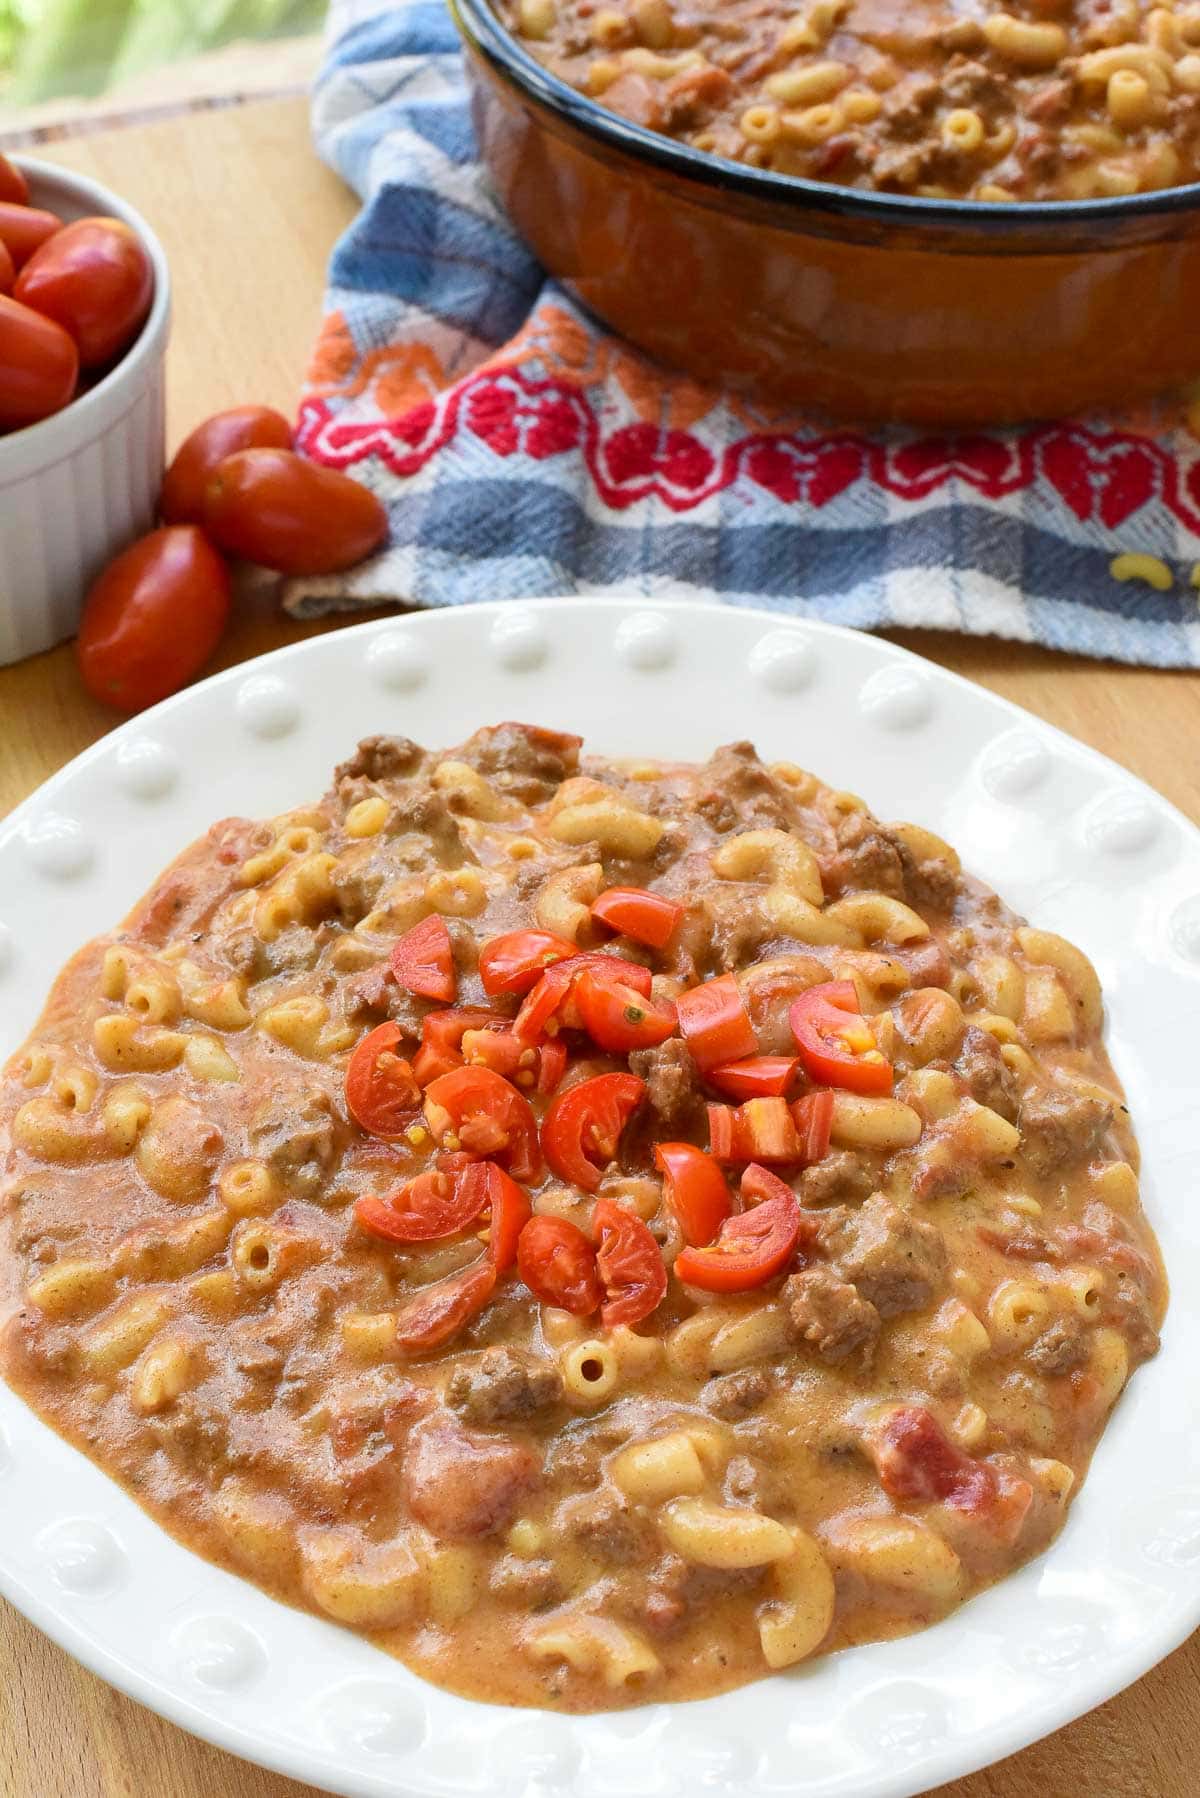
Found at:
<point>77,487</point>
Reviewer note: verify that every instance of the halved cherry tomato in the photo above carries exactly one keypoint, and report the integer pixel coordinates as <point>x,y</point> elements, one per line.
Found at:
<point>516,961</point>
<point>440,1202</point>
<point>25,228</point>
<point>630,1264</point>
<point>94,278</point>
<point>439,1311</point>
<point>695,1190</point>
<point>558,1264</point>
<point>715,1023</point>
<point>442,1034</point>
<point>617,1018</point>
<point>382,1094</point>
<point>7,272</point>
<point>242,427</point>
<point>759,1130</point>
<point>486,1116</point>
<point>508,1207</point>
<point>153,617</point>
<point>273,507</point>
<point>423,960</point>
<point>757,1077</point>
<point>13,186</point>
<point>646,917</point>
<point>752,1246</point>
<point>500,1048</point>
<point>550,1005</point>
<point>583,1126</point>
<point>552,1064</point>
<point>39,366</point>
<point>835,1041</point>
<point>813,1118</point>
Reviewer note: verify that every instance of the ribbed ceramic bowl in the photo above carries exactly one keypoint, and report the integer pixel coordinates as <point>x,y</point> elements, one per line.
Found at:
<point>75,488</point>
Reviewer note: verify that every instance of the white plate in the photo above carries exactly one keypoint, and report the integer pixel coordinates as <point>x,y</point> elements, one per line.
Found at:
<point>1066,836</point>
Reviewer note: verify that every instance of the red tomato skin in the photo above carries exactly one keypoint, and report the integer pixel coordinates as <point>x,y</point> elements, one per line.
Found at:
<point>633,911</point>
<point>813,1118</point>
<point>510,1210</point>
<point>94,278</point>
<point>381,1100</point>
<point>273,507</point>
<point>514,962</point>
<point>755,1077</point>
<point>696,1190</point>
<point>439,1311</point>
<point>39,366</point>
<point>618,1019</point>
<point>757,1130</point>
<point>14,188</point>
<point>242,427</point>
<point>751,1248</point>
<point>558,1264</point>
<point>153,618</point>
<point>630,1264</point>
<point>8,273</point>
<point>549,1004</point>
<point>25,228</point>
<point>607,1100</point>
<point>440,1202</point>
<point>442,1034</point>
<point>423,960</point>
<point>715,1023</point>
<point>834,1040</point>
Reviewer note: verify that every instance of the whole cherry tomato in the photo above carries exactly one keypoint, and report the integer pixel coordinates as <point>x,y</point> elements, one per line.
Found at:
<point>25,228</point>
<point>8,273</point>
<point>243,427</point>
<point>13,185</point>
<point>39,366</point>
<point>96,280</point>
<point>153,618</point>
<point>273,507</point>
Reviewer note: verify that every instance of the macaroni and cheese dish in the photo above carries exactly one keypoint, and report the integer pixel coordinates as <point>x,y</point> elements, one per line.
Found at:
<point>604,1230</point>
<point>1048,100</point>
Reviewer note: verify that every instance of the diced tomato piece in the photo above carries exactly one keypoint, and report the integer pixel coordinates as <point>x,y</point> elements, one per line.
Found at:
<point>695,1188</point>
<point>583,1126</point>
<point>813,1118</point>
<point>630,1263</point>
<point>442,1034</point>
<point>616,1017</point>
<point>440,1202</point>
<point>552,1064</point>
<point>476,1110</point>
<point>507,1205</point>
<point>550,1005</point>
<point>835,1041</point>
<point>439,1311</point>
<point>757,1077</point>
<point>516,961</point>
<point>382,1095</point>
<point>646,917</point>
<point>558,1264</point>
<point>759,1130</point>
<point>423,960</point>
<point>715,1023</point>
<point>918,1463</point>
<point>751,1248</point>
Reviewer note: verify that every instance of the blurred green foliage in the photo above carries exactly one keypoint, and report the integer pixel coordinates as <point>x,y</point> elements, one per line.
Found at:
<point>83,47</point>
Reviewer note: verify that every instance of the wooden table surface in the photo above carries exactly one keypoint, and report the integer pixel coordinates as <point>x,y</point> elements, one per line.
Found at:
<point>247,215</point>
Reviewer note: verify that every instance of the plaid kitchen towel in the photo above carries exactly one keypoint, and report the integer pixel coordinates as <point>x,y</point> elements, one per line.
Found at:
<point>522,450</point>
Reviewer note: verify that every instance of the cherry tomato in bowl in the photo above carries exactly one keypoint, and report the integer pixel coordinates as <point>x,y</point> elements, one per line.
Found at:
<point>95,279</point>
<point>14,188</point>
<point>39,366</point>
<point>197,458</point>
<point>8,273</point>
<point>153,618</point>
<point>25,228</point>
<point>273,507</point>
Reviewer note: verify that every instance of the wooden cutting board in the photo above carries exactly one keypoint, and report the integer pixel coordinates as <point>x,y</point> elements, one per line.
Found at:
<point>247,215</point>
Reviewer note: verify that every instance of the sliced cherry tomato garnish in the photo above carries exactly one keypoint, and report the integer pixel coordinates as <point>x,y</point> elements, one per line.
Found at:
<point>630,1264</point>
<point>583,1126</point>
<point>382,1094</point>
<point>439,1311</point>
<point>515,962</point>
<point>715,1023</point>
<point>508,1207</point>
<point>558,1264</point>
<point>476,1110</point>
<point>550,1005</point>
<point>423,960</point>
<point>552,1064</point>
<point>442,1034</point>
<point>813,1118</point>
<point>835,1041</point>
<point>440,1202</point>
<point>646,917</point>
<point>616,1017</point>
<point>695,1189</point>
<point>751,1247</point>
<point>757,1077</point>
<point>759,1130</point>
